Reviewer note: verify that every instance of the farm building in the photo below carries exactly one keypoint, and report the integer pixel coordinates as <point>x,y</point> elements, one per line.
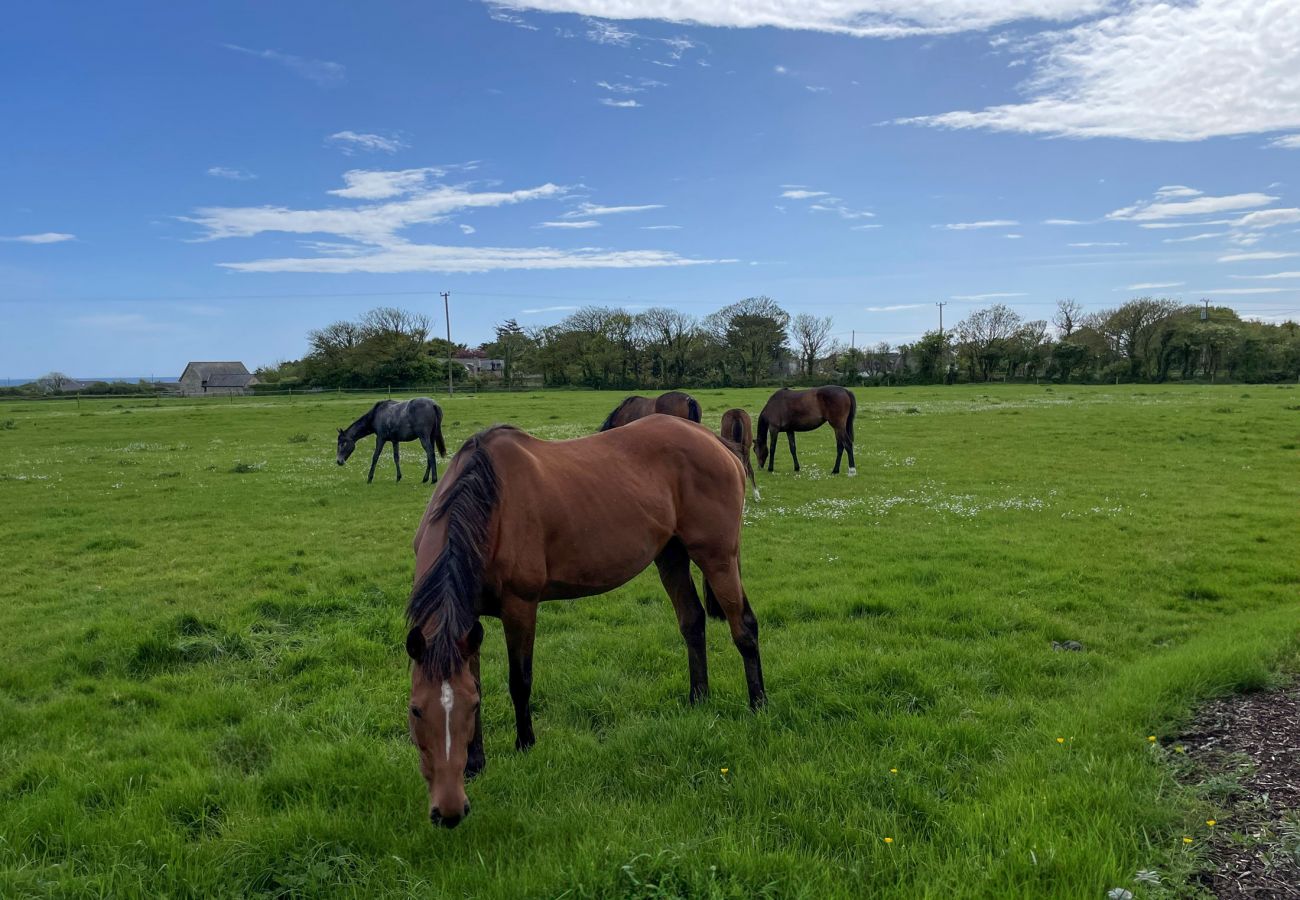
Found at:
<point>200,378</point>
<point>481,366</point>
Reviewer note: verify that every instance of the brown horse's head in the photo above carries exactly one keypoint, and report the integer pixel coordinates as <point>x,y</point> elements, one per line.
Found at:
<point>760,442</point>
<point>443,712</point>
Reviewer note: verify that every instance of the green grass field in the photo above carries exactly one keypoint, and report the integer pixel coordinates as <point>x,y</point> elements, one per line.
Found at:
<point>203,684</point>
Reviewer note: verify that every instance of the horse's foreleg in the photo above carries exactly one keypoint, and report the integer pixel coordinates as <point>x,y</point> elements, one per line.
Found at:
<point>794,456</point>
<point>379,448</point>
<point>675,573</point>
<point>771,452</point>
<point>519,617</point>
<point>724,578</point>
<point>397,462</point>
<point>476,760</point>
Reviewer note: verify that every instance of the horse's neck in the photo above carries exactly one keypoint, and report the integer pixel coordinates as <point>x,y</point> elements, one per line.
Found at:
<point>362,427</point>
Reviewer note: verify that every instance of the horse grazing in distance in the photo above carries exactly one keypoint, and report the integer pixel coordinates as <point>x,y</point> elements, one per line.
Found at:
<point>517,521</point>
<point>673,403</point>
<point>739,430</point>
<point>792,411</point>
<point>392,421</point>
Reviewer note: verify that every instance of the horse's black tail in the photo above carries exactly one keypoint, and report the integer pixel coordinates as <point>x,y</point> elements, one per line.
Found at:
<point>609,419</point>
<point>711,605</point>
<point>853,412</point>
<point>437,432</point>
<point>737,431</point>
<point>693,409</point>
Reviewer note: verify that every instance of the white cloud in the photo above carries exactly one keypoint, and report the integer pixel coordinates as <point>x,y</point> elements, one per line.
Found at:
<point>661,227</point>
<point>861,18</point>
<point>322,72</point>
<point>1204,236</point>
<point>500,15</point>
<point>597,31</point>
<point>780,70</point>
<point>546,309</point>
<point>1163,208</point>
<point>1268,218</point>
<point>1172,191</point>
<point>1063,222</point>
<point>587,210</point>
<point>970,226</point>
<point>1151,285</point>
<point>620,104</point>
<point>816,89</point>
<point>896,307</point>
<point>399,256</point>
<point>867,227</point>
<point>1100,244</point>
<point>45,237</point>
<point>1260,254</point>
<point>231,174</point>
<point>1255,290</point>
<point>1159,71</point>
<point>1286,142</point>
<point>836,206</point>
<point>1013,236</point>
<point>801,194</point>
<point>351,141</point>
<point>585,223</point>
<point>467,229</point>
<point>1271,275</point>
<point>1198,224</point>
<point>364,184</point>
<point>992,296</point>
<point>373,223</point>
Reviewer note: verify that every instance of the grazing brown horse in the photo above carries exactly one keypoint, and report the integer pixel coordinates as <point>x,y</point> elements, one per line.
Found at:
<point>673,403</point>
<point>739,430</point>
<point>792,411</point>
<point>516,521</point>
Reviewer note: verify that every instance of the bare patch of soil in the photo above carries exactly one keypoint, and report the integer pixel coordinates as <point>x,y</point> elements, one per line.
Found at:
<point>1245,756</point>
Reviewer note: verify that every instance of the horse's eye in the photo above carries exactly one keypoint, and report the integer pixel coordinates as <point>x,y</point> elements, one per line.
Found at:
<point>415,711</point>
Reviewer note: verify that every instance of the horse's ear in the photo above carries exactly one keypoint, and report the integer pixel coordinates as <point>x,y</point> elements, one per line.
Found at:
<point>415,644</point>
<point>340,432</point>
<point>473,639</point>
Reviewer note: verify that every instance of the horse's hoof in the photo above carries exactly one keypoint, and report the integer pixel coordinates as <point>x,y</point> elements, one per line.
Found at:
<point>523,744</point>
<point>852,472</point>
<point>757,495</point>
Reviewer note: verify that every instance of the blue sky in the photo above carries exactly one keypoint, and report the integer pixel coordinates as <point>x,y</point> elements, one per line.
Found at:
<point>182,182</point>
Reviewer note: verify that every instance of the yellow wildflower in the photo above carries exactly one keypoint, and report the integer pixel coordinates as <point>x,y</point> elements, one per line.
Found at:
<point>725,771</point>
<point>893,771</point>
<point>889,840</point>
<point>1060,740</point>
<point>1151,738</point>
<point>1187,840</point>
<point>1210,822</point>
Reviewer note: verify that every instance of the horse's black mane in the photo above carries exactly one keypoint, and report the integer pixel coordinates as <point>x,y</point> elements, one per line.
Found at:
<point>609,419</point>
<point>449,591</point>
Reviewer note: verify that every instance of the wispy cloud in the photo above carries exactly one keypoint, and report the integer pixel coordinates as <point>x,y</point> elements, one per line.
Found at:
<point>971,226</point>
<point>1156,72</point>
<point>1254,290</point>
<point>1063,222</point>
<point>1151,285</point>
<point>1286,142</point>
<point>867,227</point>
<point>1258,254</point>
<point>896,307</point>
<point>400,256</point>
<point>629,103</point>
<point>1271,275</point>
<point>661,227</point>
<point>1099,244</point>
<point>230,174</point>
<point>803,194</point>
<point>467,229</point>
<point>602,31</point>
<point>353,142</point>
<point>588,210</point>
<point>499,14</point>
<point>1164,207</point>
<point>992,296</point>
<point>584,223</point>
<point>1204,236</point>
<point>326,74</point>
<point>369,184</point>
<point>45,237</point>
<point>546,309</point>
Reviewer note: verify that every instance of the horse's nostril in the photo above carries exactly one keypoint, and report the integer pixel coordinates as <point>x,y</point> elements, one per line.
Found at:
<point>466,809</point>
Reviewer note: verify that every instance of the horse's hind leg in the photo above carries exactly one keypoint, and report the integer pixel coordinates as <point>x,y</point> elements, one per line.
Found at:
<point>397,462</point>
<point>793,455</point>
<point>843,444</point>
<point>429,464</point>
<point>675,573</point>
<point>379,448</point>
<point>723,576</point>
<point>839,451</point>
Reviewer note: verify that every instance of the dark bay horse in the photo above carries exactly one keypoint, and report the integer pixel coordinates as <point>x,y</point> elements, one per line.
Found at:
<point>673,403</point>
<point>519,520</point>
<point>792,411</point>
<point>392,421</point>
<point>739,430</point>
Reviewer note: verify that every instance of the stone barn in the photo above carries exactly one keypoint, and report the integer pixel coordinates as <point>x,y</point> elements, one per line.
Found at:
<point>207,378</point>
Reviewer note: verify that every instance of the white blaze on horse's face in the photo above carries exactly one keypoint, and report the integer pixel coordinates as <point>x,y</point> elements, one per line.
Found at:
<point>448,703</point>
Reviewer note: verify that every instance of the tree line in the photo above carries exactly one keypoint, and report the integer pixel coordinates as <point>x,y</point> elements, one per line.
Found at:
<point>755,342</point>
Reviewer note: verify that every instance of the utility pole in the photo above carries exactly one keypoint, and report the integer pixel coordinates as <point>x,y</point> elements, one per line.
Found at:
<point>941,305</point>
<point>446,311</point>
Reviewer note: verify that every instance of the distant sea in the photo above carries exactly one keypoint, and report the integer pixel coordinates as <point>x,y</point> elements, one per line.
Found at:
<point>130,379</point>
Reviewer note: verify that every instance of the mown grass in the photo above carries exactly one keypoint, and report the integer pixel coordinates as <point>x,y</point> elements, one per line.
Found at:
<point>202,680</point>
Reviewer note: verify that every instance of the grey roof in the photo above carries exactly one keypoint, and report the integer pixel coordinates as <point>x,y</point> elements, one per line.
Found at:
<point>228,380</point>
<point>210,370</point>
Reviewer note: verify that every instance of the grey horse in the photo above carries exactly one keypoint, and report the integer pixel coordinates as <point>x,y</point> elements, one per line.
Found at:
<point>392,421</point>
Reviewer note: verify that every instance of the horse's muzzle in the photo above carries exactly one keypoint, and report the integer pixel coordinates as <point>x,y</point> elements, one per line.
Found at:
<point>437,818</point>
